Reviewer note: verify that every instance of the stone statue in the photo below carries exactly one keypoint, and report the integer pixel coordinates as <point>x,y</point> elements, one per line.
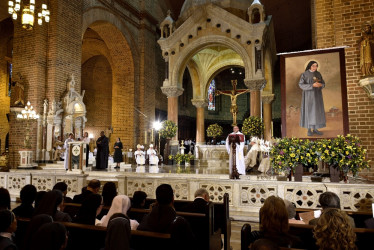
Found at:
<point>19,91</point>
<point>367,50</point>
<point>234,93</point>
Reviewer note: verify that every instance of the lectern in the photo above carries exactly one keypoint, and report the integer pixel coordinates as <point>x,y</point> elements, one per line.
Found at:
<point>77,156</point>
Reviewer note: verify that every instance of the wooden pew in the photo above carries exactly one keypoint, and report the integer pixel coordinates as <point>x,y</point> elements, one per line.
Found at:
<point>221,216</point>
<point>305,233</point>
<point>358,216</point>
<point>91,237</point>
<point>201,224</point>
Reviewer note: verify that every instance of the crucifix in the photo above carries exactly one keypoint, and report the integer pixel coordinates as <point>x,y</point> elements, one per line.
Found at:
<point>234,93</point>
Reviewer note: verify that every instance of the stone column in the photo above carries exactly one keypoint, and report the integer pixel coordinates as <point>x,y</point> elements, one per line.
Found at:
<point>200,104</point>
<point>267,101</point>
<point>172,92</point>
<point>255,86</point>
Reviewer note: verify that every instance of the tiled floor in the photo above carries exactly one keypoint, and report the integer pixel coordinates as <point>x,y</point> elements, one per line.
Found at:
<point>236,226</point>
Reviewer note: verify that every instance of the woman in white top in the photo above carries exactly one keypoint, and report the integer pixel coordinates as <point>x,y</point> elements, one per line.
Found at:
<point>120,204</point>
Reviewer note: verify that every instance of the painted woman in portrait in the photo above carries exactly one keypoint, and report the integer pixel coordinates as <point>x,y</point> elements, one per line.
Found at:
<point>312,115</point>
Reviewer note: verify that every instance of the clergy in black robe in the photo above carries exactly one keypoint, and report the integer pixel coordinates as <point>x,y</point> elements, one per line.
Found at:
<point>312,113</point>
<point>102,151</point>
<point>118,158</point>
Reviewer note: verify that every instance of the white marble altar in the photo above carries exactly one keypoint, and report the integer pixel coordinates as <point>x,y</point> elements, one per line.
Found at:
<point>246,195</point>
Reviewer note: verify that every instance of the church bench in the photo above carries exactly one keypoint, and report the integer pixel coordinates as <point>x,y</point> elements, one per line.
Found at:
<point>92,237</point>
<point>201,225</point>
<point>358,216</point>
<point>305,233</point>
<point>221,216</point>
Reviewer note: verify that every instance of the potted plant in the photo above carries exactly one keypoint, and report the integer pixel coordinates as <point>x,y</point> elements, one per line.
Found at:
<point>343,154</point>
<point>168,130</point>
<point>170,160</point>
<point>188,158</point>
<point>214,130</point>
<point>285,155</point>
<point>253,126</point>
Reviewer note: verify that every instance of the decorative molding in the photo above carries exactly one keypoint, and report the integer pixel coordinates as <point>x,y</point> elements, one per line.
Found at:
<point>367,84</point>
<point>268,99</point>
<point>199,103</point>
<point>172,91</point>
<point>255,84</point>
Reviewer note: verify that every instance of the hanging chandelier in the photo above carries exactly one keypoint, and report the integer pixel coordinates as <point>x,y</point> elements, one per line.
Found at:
<point>28,11</point>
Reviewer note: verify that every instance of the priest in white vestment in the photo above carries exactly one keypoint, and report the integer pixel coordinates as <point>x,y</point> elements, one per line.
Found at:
<point>152,155</point>
<point>239,151</point>
<point>139,155</point>
<point>66,147</point>
<point>251,158</point>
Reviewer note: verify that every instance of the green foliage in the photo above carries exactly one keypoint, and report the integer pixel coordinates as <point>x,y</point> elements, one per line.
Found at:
<point>214,130</point>
<point>345,152</point>
<point>168,129</point>
<point>253,126</point>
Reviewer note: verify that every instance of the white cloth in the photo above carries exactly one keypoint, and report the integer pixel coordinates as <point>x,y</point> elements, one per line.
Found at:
<point>120,204</point>
<point>140,157</point>
<point>251,157</point>
<point>86,140</point>
<point>239,154</point>
<point>152,156</point>
<point>264,165</point>
<point>67,158</point>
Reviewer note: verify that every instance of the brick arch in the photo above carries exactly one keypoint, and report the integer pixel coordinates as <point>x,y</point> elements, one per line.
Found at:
<point>123,81</point>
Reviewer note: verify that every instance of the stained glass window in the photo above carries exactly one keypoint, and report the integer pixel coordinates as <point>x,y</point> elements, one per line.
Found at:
<point>212,96</point>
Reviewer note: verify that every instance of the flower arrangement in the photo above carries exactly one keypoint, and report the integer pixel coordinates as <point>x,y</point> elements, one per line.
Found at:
<point>253,126</point>
<point>285,154</point>
<point>345,152</point>
<point>214,130</point>
<point>309,153</point>
<point>179,158</point>
<point>168,129</point>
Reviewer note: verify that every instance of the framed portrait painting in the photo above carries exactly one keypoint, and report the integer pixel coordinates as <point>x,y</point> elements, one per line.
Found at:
<point>314,94</point>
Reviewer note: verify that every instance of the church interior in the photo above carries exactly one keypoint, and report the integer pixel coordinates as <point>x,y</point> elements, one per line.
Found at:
<point>161,84</point>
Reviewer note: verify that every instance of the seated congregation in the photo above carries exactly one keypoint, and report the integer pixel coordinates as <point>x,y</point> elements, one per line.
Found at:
<point>108,221</point>
<point>283,226</point>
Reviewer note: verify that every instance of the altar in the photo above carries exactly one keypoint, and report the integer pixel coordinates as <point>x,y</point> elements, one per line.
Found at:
<point>247,194</point>
<point>214,156</point>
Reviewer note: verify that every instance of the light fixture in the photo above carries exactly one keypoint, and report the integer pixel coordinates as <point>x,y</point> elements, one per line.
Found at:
<point>367,84</point>
<point>27,114</point>
<point>28,12</point>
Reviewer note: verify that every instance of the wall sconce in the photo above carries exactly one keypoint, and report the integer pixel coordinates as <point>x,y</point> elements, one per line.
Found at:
<point>368,85</point>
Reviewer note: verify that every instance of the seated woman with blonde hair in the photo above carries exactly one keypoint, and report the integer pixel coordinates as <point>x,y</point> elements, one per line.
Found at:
<point>333,231</point>
<point>120,204</point>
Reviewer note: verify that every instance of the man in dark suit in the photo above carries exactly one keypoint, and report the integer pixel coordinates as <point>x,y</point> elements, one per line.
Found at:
<point>199,205</point>
<point>92,188</point>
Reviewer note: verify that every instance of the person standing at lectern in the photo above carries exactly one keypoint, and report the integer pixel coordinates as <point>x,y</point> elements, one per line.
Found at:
<point>240,165</point>
<point>102,151</point>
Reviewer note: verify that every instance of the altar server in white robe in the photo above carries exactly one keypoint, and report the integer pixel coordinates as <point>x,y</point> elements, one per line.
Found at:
<point>239,151</point>
<point>251,158</point>
<point>139,155</point>
<point>152,155</point>
<point>66,147</point>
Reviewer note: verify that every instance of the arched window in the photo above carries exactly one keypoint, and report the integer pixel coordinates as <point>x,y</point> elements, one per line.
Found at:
<point>212,96</point>
<point>256,16</point>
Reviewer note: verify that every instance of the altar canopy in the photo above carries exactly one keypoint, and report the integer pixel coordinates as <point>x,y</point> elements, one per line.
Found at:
<point>210,37</point>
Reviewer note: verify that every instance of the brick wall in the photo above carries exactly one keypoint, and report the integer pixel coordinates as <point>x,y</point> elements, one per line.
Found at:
<point>338,23</point>
<point>97,82</point>
<point>6,43</point>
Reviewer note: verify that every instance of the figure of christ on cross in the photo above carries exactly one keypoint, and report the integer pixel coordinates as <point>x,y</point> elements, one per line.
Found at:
<point>234,93</point>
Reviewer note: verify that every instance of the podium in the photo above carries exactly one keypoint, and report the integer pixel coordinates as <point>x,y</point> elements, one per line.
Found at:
<point>77,157</point>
